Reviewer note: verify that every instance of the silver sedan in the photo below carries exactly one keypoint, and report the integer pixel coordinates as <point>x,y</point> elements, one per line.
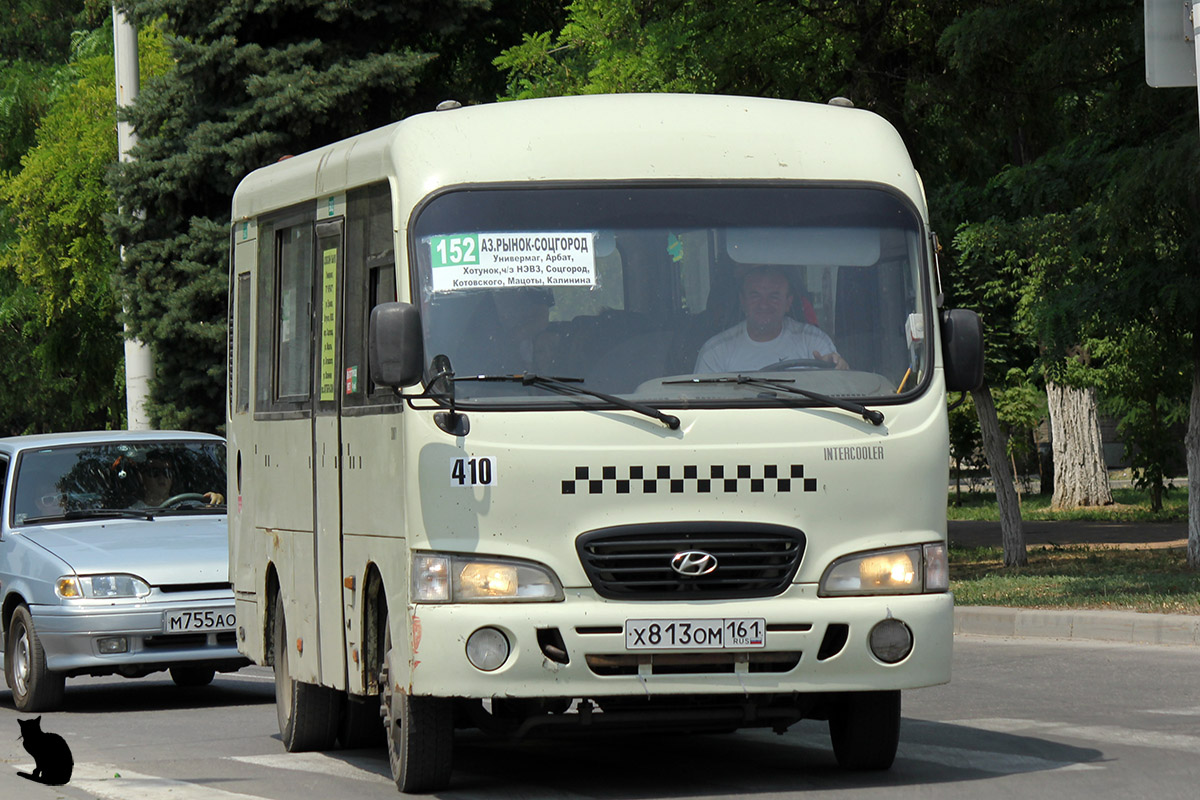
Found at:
<point>114,559</point>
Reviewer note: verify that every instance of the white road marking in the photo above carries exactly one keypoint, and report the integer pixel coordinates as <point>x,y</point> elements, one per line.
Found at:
<point>1104,734</point>
<point>1194,711</point>
<point>955,757</point>
<point>987,760</point>
<point>111,782</point>
<point>246,676</point>
<point>360,768</point>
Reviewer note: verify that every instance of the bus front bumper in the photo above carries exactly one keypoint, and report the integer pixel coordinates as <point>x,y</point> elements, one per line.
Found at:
<point>579,648</point>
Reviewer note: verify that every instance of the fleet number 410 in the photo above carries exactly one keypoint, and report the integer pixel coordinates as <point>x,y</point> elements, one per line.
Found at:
<point>473,471</point>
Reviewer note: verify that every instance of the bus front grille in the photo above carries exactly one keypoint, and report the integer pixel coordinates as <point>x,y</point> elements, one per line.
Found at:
<point>613,665</point>
<point>652,562</point>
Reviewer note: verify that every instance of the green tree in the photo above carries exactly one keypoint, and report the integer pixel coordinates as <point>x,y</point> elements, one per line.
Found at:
<point>58,316</point>
<point>1146,374</point>
<point>254,83</point>
<point>1095,202</point>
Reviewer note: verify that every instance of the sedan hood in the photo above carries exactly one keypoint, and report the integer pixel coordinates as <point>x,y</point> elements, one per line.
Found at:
<point>162,552</point>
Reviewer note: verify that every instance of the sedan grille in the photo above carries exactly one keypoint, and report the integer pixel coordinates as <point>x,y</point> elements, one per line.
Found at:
<point>635,562</point>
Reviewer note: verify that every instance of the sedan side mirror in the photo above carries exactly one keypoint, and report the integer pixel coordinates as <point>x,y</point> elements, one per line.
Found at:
<point>395,345</point>
<point>962,350</point>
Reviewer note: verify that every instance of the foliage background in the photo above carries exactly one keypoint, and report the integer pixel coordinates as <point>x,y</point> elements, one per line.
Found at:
<point>1064,187</point>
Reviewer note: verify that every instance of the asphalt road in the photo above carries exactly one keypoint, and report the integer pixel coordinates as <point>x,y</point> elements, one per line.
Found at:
<point>1021,718</point>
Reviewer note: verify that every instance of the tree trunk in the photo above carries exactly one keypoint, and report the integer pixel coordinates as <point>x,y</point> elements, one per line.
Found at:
<point>1012,536</point>
<point>1192,440</point>
<point>1080,475</point>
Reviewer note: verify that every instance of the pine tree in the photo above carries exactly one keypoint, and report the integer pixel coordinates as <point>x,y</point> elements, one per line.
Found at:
<point>253,82</point>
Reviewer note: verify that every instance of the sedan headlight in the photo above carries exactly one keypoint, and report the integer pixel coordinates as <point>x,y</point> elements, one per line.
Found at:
<point>449,578</point>
<point>100,587</point>
<point>909,570</point>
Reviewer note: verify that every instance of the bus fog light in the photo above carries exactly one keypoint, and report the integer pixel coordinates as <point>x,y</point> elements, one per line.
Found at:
<point>891,641</point>
<point>487,649</point>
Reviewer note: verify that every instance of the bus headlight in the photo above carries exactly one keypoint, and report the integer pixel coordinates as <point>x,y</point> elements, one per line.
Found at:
<point>909,570</point>
<point>449,578</point>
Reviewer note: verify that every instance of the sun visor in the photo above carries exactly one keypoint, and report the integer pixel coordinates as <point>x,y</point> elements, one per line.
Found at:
<point>846,247</point>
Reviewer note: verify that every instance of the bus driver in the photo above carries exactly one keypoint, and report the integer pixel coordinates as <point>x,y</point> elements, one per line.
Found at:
<point>768,335</point>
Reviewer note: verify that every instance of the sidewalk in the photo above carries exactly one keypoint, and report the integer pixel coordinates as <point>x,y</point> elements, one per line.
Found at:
<point>1077,625</point>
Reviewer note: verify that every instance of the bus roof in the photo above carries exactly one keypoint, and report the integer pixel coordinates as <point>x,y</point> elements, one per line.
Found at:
<point>595,137</point>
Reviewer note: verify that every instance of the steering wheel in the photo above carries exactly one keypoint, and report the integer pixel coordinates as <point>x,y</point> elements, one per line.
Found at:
<point>798,363</point>
<point>179,498</point>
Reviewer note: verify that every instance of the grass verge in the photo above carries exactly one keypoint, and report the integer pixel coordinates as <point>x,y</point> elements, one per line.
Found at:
<point>1078,576</point>
<point>1129,505</point>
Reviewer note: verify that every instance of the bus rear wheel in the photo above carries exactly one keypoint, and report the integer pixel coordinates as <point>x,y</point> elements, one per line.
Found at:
<point>865,730</point>
<point>308,714</point>
<point>420,731</point>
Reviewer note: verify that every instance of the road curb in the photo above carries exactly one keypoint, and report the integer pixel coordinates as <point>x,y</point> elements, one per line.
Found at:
<point>1079,625</point>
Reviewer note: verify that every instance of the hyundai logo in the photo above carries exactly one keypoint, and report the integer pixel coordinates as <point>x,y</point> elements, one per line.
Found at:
<point>694,563</point>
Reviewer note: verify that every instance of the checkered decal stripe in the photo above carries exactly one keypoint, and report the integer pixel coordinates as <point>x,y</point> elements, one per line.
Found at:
<point>666,480</point>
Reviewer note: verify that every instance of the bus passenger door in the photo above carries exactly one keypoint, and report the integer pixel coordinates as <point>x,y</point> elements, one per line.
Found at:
<point>327,534</point>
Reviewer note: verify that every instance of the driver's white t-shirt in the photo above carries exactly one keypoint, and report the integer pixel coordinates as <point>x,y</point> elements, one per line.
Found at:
<point>733,350</point>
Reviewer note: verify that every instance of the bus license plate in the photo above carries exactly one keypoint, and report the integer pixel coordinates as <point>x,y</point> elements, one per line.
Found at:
<point>695,634</point>
<point>199,620</point>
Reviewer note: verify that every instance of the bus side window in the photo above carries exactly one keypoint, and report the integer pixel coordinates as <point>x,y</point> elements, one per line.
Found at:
<point>370,280</point>
<point>293,332</point>
<point>244,337</point>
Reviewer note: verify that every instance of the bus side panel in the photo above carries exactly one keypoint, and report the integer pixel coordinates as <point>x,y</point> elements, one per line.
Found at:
<point>373,528</point>
<point>360,554</point>
<point>295,565</point>
<point>281,484</point>
<point>246,551</point>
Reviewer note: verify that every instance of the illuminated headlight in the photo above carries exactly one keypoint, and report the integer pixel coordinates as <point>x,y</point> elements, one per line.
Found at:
<point>445,578</point>
<point>100,587</point>
<point>910,570</point>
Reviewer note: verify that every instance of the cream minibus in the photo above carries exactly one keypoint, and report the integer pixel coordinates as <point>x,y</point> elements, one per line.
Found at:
<point>592,413</point>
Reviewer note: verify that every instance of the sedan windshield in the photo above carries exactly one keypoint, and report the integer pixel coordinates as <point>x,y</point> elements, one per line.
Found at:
<point>83,481</point>
<point>653,292</point>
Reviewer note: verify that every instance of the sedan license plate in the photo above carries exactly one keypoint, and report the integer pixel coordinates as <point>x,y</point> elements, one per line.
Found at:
<point>199,620</point>
<point>695,634</point>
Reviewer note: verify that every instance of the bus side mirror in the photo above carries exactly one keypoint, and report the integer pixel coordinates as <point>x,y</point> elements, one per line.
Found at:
<point>397,354</point>
<point>962,350</point>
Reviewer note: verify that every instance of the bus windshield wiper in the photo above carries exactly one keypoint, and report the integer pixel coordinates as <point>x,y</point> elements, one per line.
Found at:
<point>872,416</point>
<point>565,385</point>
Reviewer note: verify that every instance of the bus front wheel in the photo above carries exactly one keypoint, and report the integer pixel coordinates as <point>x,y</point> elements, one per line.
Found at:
<point>308,714</point>
<point>865,730</point>
<point>420,730</point>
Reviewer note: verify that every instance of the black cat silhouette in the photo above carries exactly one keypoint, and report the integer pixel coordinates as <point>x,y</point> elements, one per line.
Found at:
<point>51,755</point>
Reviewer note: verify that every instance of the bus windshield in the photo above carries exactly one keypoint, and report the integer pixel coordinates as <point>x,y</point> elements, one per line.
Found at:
<point>666,293</point>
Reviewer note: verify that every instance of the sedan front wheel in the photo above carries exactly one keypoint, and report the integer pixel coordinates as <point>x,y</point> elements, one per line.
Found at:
<point>34,687</point>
